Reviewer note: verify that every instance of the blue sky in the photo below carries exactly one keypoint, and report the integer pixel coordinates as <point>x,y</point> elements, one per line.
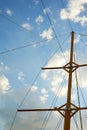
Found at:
<point>35,34</point>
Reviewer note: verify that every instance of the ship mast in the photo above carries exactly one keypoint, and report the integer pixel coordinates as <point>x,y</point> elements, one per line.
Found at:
<point>68,104</point>
<point>68,109</point>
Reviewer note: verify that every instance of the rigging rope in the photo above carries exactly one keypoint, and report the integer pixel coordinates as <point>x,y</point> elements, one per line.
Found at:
<point>83,42</point>
<point>27,45</point>
<point>21,47</point>
<point>48,114</point>
<point>43,5</point>
<point>12,21</point>
<point>78,100</point>
<point>28,91</point>
<point>80,81</point>
<point>76,123</point>
<point>32,85</point>
<point>57,50</point>
<point>67,16</point>
<point>13,121</point>
<point>59,123</point>
<point>78,88</point>
<point>81,34</point>
<point>46,119</point>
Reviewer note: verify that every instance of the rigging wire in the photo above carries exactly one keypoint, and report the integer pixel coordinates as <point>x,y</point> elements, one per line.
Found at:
<point>57,49</point>
<point>21,47</point>
<point>59,123</point>
<point>48,114</point>
<point>55,97</point>
<point>46,119</point>
<point>14,50</point>
<point>43,5</point>
<point>80,89</point>
<point>81,34</point>
<point>83,97</point>
<point>28,91</point>
<point>31,88</point>
<point>83,100</point>
<point>80,114</point>
<point>63,34</point>
<point>80,80</point>
<point>83,42</point>
<point>76,123</point>
<point>14,22</point>
<point>13,121</point>
<point>67,16</point>
<point>74,120</point>
<point>24,46</point>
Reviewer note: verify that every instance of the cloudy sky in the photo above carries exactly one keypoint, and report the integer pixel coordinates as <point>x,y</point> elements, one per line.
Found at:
<point>35,34</point>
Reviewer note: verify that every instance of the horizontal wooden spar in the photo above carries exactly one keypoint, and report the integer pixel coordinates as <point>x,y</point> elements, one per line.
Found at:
<point>63,67</point>
<point>82,65</point>
<point>48,109</point>
<point>52,109</point>
<point>52,68</point>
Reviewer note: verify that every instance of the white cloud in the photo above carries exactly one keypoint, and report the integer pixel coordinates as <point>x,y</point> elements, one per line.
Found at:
<point>56,77</point>
<point>35,45</point>
<point>4,84</point>
<point>28,18</point>
<point>4,68</point>
<point>8,12</point>
<point>34,88</point>
<point>73,97</point>
<point>83,20</point>
<point>2,123</point>
<point>54,21</point>
<point>27,26</point>
<point>77,39</point>
<point>2,63</point>
<point>74,10</point>
<point>56,80</point>
<point>82,77</point>
<point>63,92</point>
<point>44,95</point>
<point>21,76</point>
<point>44,75</point>
<point>47,10</point>
<point>47,34</point>
<point>58,91</point>
<point>43,98</point>
<point>58,59</point>
<point>44,91</point>
<point>36,2</point>
<point>7,68</point>
<point>39,19</point>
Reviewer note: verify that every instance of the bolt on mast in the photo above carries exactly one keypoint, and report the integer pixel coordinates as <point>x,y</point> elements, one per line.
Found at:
<point>68,109</point>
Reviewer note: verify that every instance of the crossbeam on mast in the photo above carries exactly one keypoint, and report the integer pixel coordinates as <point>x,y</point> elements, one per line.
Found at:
<point>67,66</point>
<point>51,109</point>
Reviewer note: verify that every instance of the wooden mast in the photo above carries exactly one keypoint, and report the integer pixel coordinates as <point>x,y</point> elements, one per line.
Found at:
<point>68,104</point>
<point>68,109</point>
